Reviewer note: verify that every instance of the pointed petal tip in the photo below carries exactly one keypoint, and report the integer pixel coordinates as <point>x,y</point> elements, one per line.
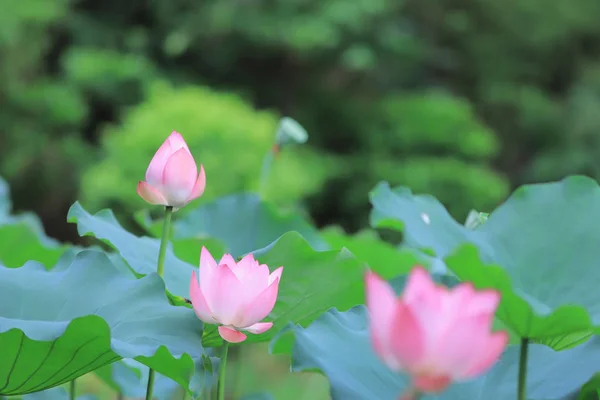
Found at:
<point>199,185</point>
<point>259,327</point>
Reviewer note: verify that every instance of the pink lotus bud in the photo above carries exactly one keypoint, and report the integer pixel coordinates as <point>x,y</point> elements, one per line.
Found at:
<point>235,296</point>
<point>435,334</point>
<point>172,178</point>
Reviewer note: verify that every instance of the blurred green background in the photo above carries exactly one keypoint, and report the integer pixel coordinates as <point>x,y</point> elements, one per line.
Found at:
<point>462,99</point>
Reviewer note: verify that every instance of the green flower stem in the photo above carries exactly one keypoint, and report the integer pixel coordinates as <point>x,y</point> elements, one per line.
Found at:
<point>72,390</point>
<point>265,171</point>
<point>160,269</point>
<point>150,386</point>
<point>222,369</point>
<point>522,388</point>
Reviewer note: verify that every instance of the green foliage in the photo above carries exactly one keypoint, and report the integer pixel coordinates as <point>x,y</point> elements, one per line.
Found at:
<point>130,378</point>
<point>463,100</point>
<point>22,237</point>
<point>64,326</point>
<point>140,253</point>
<point>245,223</point>
<point>559,310</point>
<point>224,133</point>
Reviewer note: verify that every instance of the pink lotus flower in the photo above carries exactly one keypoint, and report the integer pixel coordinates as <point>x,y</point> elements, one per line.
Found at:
<point>435,334</point>
<point>172,178</point>
<point>235,296</point>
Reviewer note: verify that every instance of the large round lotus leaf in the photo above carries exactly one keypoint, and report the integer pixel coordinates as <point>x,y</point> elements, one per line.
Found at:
<point>141,253</point>
<point>338,345</point>
<point>544,240</point>
<point>58,325</point>
<point>244,222</point>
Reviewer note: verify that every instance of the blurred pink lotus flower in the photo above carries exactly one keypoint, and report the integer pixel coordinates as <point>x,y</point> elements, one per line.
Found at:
<point>172,178</point>
<point>435,334</point>
<point>235,296</point>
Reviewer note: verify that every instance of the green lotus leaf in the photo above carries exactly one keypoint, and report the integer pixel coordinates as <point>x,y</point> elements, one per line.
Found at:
<point>244,222</point>
<point>543,242</point>
<point>58,325</point>
<point>141,253</point>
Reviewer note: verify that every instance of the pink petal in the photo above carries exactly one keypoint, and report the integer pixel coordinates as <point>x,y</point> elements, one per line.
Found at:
<point>431,384</point>
<point>254,279</point>
<point>259,327</point>
<point>199,186</point>
<point>150,194</point>
<point>199,303</point>
<point>154,173</point>
<point>245,266</point>
<point>461,344</point>
<point>381,302</point>
<point>484,301</point>
<point>177,142</point>
<point>228,260</point>
<point>261,306</point>
<point>488,354</point>
<point>231,335</point>
<point>408,342</point>
<point>465,302</point>
<point>276,274</point>
<point>208,266</point>
<point>179,177</point>
<point>427,300</point>
<point>227,297</point>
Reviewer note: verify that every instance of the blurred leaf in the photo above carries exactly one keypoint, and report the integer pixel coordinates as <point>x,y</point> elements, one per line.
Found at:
<point>51,339</point>
<point>22,237</point>
<point>370,249</point>
<point>130,378</point>
<point>338,344</point>
<point>547,230</point>
<point>258,396</point>
<point>244,223</point>
<point>57,393</point>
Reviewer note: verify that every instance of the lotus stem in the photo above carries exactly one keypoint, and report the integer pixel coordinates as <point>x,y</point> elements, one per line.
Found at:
<point>72,390</point>
<point>150,386</point>
<point>222,370</point>
<point>265,170</point>
<point>162,252</point>
<point>160,270</point>
<point>522,386</point>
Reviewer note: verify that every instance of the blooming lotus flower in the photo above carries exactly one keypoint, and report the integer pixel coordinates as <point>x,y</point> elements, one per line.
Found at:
<point>235,296</point>
<point>435,334</point>
<point>172,178</point>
